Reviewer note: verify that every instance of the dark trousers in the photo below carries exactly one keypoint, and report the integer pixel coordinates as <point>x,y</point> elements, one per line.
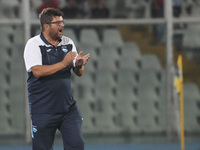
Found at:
<point>44,127</point>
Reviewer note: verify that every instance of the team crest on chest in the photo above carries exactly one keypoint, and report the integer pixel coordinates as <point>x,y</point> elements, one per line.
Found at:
<point>64,49</point>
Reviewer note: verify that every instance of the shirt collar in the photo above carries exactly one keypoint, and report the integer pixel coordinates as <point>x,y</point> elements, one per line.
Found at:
<point>45,41</point>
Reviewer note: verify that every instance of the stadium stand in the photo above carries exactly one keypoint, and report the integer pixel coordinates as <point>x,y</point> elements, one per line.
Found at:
<point>108,125</point>
<point>190,38</point>
<point>127,68</point>
<point>122,91</point>
<point>150,62</point>
<point>82,92</point>
<point>192,103</point>
<point>92,37</point>
<point>18,38</point>
<point>112,36</point>
<point>148,115</point>
<point>150,77</point>
<point>107,64</point>
<point>130,49</point>
<point>108,52</point>
<point>70,33</point>
<point>9,9</point>
<point>5,125</point>
<point>126,78</point>
<point>128,64</point>
<point>88,117</point>
<point>4,81</point>
<point>127,104</point>
<point>105,78</point>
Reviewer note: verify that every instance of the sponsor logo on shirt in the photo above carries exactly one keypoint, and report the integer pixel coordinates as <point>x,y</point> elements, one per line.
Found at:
<point>48,50</point>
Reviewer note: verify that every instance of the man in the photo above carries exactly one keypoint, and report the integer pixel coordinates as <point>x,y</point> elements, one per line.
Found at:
<point>49,57</point>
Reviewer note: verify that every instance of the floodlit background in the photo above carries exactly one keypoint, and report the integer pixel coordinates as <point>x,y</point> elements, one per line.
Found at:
<point>127,95</point>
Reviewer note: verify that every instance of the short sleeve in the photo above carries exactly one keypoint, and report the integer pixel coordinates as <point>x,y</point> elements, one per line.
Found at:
<point>74,50</point>
<point>32,55</point>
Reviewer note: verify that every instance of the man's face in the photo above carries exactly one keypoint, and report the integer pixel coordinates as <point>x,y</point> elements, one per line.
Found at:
<point>56,28</point>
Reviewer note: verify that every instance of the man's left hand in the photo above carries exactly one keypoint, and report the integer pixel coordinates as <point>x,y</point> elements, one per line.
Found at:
<point>82,60</point>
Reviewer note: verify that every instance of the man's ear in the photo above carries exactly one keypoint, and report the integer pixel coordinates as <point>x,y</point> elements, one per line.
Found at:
<point>46,27</point>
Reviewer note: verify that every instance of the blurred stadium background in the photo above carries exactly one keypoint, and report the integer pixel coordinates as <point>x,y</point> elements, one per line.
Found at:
<point>126,95</point>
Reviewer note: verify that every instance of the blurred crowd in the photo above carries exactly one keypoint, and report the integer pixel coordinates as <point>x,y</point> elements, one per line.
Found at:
<point>102,8</point>
<point>75,9</point>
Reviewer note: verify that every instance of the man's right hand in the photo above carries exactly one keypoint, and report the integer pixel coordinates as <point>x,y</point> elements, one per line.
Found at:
<point>69,57</point>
